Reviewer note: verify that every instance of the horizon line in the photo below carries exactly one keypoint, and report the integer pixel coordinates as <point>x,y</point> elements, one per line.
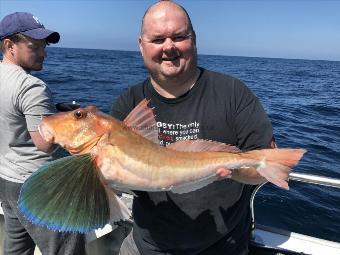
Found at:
<point>204,54</point>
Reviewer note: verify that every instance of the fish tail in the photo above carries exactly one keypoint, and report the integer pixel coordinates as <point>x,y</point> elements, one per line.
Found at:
<point>66,195</point>
<point>276,164</point>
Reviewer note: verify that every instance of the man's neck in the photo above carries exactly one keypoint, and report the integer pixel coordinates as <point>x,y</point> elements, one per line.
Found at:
<point>174,88</point>
<point>10,61</point>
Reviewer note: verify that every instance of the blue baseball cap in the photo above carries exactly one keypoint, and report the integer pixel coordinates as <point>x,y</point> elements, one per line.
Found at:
<point>27,24</point>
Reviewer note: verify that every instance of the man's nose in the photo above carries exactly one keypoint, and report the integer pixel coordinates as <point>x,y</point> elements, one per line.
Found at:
<point>168,45</point>
<point>42,52</point>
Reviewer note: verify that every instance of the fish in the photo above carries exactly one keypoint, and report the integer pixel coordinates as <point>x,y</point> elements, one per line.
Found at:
<point>75,193</point>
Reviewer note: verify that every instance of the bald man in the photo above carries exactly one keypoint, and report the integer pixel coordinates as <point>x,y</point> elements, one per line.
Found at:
<point>191,103</point>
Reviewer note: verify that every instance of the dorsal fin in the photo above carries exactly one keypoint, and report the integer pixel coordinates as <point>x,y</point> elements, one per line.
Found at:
<point>142,121</point>
<point>202,145</point>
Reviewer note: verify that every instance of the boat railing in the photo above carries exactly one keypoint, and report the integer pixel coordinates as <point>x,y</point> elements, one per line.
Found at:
<point>315,179</point>
<point>299,177</point>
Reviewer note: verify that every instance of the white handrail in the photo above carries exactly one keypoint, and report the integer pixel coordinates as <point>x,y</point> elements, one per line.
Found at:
<point>315,179</point>
<point>307,178</point>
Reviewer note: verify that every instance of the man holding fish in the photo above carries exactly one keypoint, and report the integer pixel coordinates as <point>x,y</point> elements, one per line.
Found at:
<point>190,103</point>
<point>23,100</point>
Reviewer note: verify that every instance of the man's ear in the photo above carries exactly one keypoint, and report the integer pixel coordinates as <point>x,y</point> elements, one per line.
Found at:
<point>7,45</point>
<point>140,45</point>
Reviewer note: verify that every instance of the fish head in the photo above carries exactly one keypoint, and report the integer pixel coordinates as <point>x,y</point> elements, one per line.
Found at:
<point>77,131</point>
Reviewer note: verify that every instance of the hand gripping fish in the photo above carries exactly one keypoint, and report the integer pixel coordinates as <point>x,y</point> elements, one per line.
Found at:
<point>71,193</point>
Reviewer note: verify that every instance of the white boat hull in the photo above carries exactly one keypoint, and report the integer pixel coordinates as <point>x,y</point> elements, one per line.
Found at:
<point>269,237</point>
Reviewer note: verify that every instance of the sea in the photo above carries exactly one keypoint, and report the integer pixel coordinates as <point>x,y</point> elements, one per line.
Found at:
<point>301,97</point>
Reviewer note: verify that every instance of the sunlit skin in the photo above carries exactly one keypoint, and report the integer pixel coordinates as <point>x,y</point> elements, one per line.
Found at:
<point>28,53</point>
<point>168,46</point>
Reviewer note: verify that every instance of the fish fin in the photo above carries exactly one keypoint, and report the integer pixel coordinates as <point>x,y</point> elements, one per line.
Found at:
<point>277,164</point>
<point>66,195</point>
<point>202,145</point>
<point>188,187</point>
<point>118,209</point>
<point>142,121</point>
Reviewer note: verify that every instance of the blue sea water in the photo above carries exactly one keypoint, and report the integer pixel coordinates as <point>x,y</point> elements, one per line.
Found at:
<point>301,97</point>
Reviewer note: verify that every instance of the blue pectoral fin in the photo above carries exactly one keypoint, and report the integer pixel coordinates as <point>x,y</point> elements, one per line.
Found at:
<point>66,195</point>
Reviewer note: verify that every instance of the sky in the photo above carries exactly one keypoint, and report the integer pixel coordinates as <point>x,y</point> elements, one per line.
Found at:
<point>298,29</point>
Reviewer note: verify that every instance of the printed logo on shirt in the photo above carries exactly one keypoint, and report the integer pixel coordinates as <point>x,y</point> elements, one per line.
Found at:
<point>171,132</point>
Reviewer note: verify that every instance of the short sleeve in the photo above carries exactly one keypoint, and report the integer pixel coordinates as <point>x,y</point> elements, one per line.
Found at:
<point>122,106</point>
<point>252,125</point>
<point>34,101</point>
<point>127,101</point>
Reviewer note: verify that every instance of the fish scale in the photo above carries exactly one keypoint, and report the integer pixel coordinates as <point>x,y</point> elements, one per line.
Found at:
<point>126,155</point>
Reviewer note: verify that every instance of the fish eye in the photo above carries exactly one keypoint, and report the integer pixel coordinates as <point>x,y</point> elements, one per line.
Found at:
<point>79,114</point>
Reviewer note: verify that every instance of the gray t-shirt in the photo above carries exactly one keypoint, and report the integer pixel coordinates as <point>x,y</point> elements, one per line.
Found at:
<point>24,99</point>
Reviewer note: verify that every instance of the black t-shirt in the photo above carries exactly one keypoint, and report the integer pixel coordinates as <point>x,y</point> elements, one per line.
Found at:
<point>214,219</point>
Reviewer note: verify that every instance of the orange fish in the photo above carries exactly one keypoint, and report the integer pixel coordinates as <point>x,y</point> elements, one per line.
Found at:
<point>127,156</point>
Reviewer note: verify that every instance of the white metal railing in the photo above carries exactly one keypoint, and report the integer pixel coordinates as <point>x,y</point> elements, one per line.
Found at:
<point>315,179</point>
<point>300,177</point>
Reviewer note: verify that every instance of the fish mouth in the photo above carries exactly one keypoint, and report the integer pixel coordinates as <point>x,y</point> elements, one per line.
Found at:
<point>46,133</point>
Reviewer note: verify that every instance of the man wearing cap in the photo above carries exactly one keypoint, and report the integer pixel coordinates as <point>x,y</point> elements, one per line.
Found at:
<point>24,99</point>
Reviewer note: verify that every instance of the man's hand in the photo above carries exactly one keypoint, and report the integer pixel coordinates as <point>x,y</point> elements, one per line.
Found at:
<point>223,173</point>
<point>41,144</point>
